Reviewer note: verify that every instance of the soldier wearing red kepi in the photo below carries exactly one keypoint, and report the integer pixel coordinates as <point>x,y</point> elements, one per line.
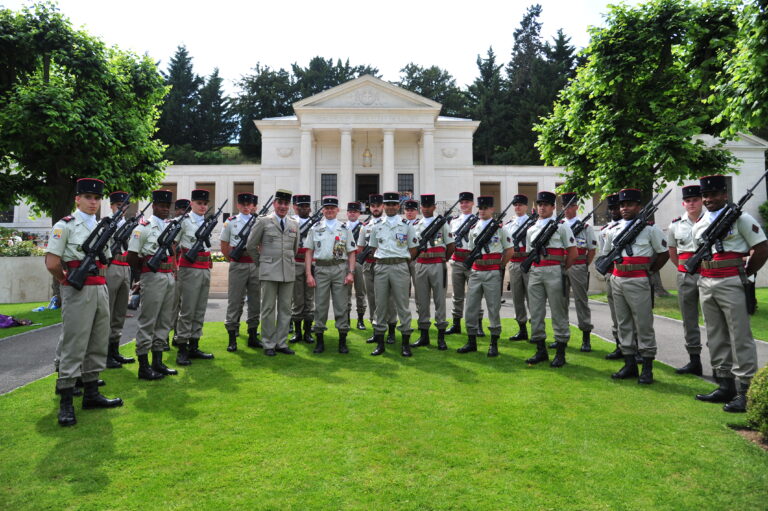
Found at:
<point>723,300</point>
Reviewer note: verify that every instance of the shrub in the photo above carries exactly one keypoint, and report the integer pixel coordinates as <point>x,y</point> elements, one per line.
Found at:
<point>25,248</point>
<point>763,209</point>
<point>757,402</point>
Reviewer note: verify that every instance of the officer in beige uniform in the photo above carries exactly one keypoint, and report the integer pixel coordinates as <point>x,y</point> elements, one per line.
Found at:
<point>460,273</point>
<point>578,273</point>
<point>354,209</point>
<point>518,279</point>
<point>118,286</point>
<point>303,295</point>
<point>431,273</point>
<point>631,288</point>
<point>276,238</point>
<point>545,282</point>
<point>243,275</point>
<point>180,206</point>
<point>157,289</point>
<point>331,245</point>
<point>395,243</point>
<point>681,247</point>
<point>194,278</point>
<point>485,279</point>
<point>84,313</point>
<point>723,301</point>
<point>375,202</point>
<point>612,204</point>
<point>411,214</point>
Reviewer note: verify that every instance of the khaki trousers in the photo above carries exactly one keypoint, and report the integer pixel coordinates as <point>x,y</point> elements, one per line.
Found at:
<point>611,307</point>
<point>634,312</point>
<point>518,284</point>
<point>688,301</point>
<point>359,292</point>
<point>155,315</point>
<point>391,284</point>
<point>194,283</point>
<point>578,283</point>
<point>275,312</point>
<point>545,284</point>
<point>303,297</point>
<point>369,271</point>
<point>119,287</point>
<point>729,335</point>
<point>330,285</point>
<point>243,282</point>
<point>84,332</point>
<point>459,280</point>
<point>430,281</point>
<point>483,284</point>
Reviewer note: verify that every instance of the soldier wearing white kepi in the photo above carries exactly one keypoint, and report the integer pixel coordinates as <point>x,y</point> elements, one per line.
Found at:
<point>631,288</point>
<point>431,274</point>
<point>119,287</point>
<point>518,279</point>
<point>612,203</point>
<point>84,313</point>
<point>578,274</point>
<point>395,243</point>
<point>722,288</point>
<point>332,246</point>
<point>157,289</point>
<point>354,209</point>
<point>545,282</point>
<point>303,308</point>
<point>681,247</point>
<point>243,275</point>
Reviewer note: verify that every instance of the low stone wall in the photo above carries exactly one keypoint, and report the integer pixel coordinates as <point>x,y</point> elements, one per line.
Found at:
<point>24,279</point>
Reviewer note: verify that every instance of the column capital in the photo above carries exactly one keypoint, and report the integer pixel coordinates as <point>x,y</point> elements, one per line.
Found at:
<point>430,130</point>
<point>346,130</point>
<point>388,131</point>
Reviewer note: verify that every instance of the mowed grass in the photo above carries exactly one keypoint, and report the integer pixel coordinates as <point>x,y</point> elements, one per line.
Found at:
<point>437,431</point>
<point>667,306</point>
<point>24,311</point>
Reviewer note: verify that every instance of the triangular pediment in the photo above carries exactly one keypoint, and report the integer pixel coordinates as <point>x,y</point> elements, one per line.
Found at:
<point>366,92</point>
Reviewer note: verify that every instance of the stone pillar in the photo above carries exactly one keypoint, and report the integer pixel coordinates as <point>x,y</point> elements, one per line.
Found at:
<point>305,172</point>
<point>388,178</point>
<point>428,151</point>
<point>346,179</point>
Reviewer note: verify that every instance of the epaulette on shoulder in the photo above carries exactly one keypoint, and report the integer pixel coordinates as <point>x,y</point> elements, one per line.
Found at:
<point>676,219</point>
<point>650,222</point>
<point>143,221</point>
<point>67,218</point>
<point>416,222</point>
<point>405,221</point>
<point>605,227</point>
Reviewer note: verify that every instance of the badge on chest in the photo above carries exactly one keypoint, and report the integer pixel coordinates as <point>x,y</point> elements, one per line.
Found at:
<point>401,239</point>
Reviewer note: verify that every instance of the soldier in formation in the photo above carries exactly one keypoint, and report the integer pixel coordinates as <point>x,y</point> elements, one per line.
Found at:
<point>302,311</point>
<point>355,226</point>
<point>518,279</point>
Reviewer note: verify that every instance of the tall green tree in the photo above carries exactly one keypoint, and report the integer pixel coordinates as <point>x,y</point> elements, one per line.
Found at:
<point>70,107</point>
<point>485,103</point>
<point>634,112</point>
<point>436,84</point>
<point>178,118</point>
<point>321,74</point>
<point>216,122</point>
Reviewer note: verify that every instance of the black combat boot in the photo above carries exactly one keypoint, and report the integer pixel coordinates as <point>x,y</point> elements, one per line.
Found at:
<point>320,343</point>
<point>308,331</point>
<point>117,356</point>
<point>112,362</point>
<point>371,339</point>
<point>522,334</point>
<point>174,341</point>
<point>615,354</point>
<point>182,357</point>
<point>360,323</point>
<point>159,367</point>
<point>559,360</point>
<point>75,390</point>
<point>480,332</point>
<point>470,346</point>
<point>232,341</point>
<point>724,393</point>
<point>79,384</point>
<point>379,340</point>
<point>291,327</point>
<point>552,345</point>
<point>253,337</point>
<point>646,375</point>
<point>391,334</point>
<point>739,403</point>
<point>692,367</point>
<point>455,328</point>
<point>586,341</point>
<point>405,349</point>
<point>423,339</point>
<point>343,343</point>
<point>628,370</point>
<point>66,408</point>
<point>166,345</point>
<point>541,355</point>
<point>493,349</point>
<point>194,350</point>
<point>441,340</point>
<point>296,329</point>
<point>93,399</point>
<point>145,370</point>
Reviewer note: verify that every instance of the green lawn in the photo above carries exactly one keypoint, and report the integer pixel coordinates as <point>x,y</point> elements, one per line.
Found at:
<point>24,311</point>
<point>434,432</point>
<point>667,306</point>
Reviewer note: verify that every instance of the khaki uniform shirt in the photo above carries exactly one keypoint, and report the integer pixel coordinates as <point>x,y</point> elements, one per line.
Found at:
<point>330,244</point>
<point>499,242</point>
<point>189,227</point>
<point>586,239</point>
<point>563,238</point>
<point>278,247</point>
<point>393,238</point>
<point>365,233</point>
<point>232,228</point>
<point>443,238</point>
<point>144,237</point>
<point>69,234</point>
<point>680,234</point>
<point>648,243</point>
<point>744,234</point>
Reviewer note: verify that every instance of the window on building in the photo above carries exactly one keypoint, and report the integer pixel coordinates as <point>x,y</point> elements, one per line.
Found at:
<point>405,184</point>
<point>328,184</point>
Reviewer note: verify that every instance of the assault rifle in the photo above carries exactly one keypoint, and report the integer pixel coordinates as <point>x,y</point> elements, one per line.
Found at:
<point>316,217</point>
<point>518,237</point>
<point>580,225</point>
<point>462,233</point>
<point>485,237</point>
<point>94,247</point>
<point>623,242</point>
<point>120,240</point>
<point>203,235</point>
<point>356,230</point>
<point>265,209</point>
<point>365,252</point>
<point>236,253</point>
<point>538,246</point>
<point>428,236</point>
<point>165,241</point>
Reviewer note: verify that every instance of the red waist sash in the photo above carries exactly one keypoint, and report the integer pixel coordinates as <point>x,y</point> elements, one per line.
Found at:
<point>488,262</point>
<point>90,280</point>
<point>202,261</point>
<point>618,272</point>
<point>729,271</point>
<point>557,260</point>
<point>432,255</point>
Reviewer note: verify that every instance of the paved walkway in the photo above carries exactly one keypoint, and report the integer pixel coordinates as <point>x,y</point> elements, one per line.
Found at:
<point>28,357</point>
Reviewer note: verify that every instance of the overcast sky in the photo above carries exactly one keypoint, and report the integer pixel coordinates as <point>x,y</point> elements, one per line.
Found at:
<point>234,35</point>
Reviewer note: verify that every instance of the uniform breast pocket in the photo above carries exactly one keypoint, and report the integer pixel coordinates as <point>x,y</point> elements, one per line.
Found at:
<point>78,237</point>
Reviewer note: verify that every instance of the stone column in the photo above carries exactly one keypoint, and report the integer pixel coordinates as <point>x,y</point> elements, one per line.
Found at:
<point>346,179</point>
<point>428,151</point>
<point>388,177</point>
<point>305,172</point>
